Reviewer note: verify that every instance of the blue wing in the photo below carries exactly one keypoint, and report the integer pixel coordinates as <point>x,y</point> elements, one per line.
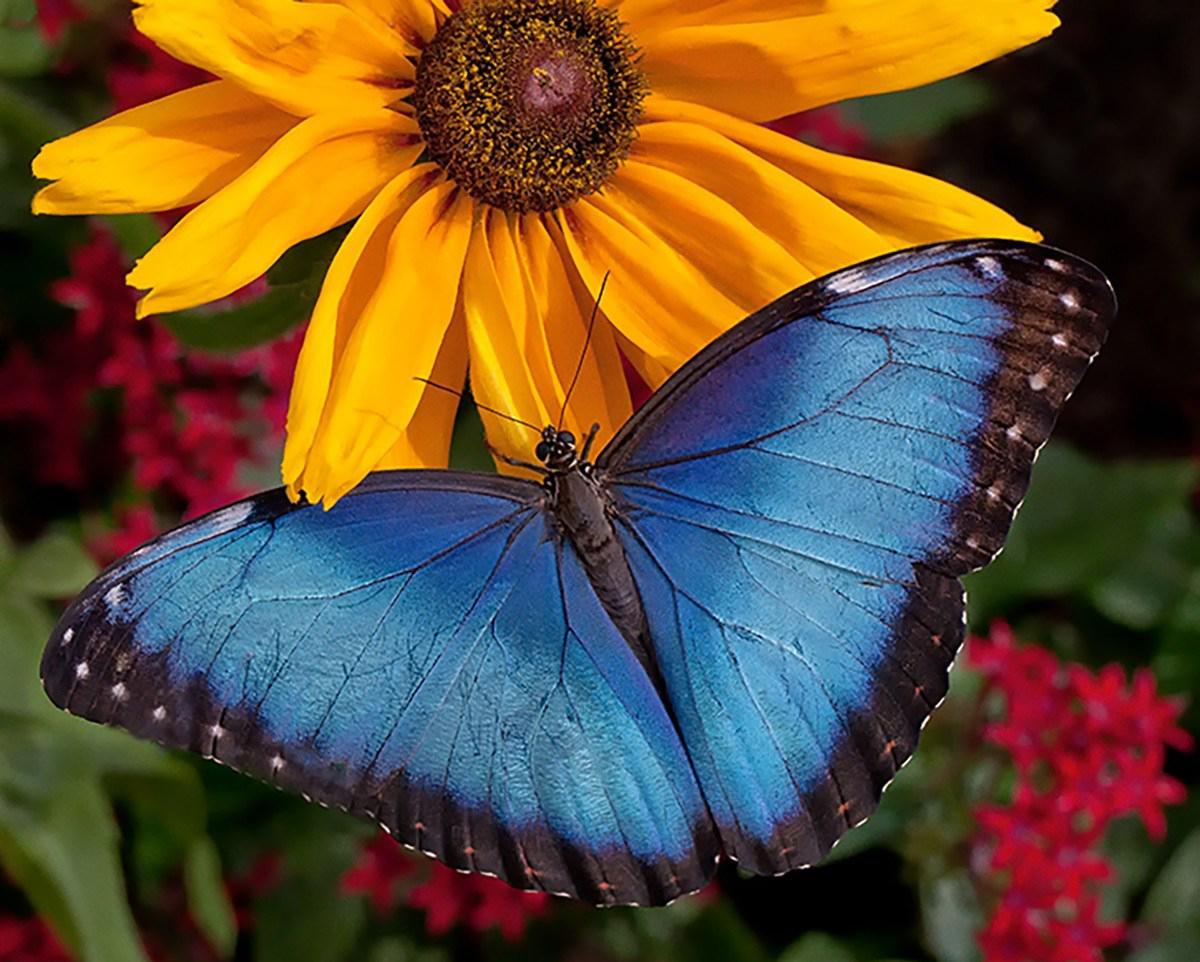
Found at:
<point>427,654</point>
<point>797,505</point>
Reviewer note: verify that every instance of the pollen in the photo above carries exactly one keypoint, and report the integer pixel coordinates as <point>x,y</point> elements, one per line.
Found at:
<point>529,104</point>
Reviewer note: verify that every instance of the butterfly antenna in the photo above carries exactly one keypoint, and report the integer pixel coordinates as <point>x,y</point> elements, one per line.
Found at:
<point>482,407</point>
<point>583,354</point>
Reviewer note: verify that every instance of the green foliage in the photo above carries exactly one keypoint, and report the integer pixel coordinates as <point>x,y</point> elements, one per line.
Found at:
<point>23,51</point>
<point>1120,537</point>
<point>294,283</point>
<point>919,113</point>
<point>60,777</point>
<point>1173,902</point>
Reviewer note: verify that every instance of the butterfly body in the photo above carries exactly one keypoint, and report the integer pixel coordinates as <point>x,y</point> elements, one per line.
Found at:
<point>721,637</point>
<point>584,514</point>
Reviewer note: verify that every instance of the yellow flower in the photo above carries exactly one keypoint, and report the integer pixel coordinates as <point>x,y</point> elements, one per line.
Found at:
<point>500,156</point>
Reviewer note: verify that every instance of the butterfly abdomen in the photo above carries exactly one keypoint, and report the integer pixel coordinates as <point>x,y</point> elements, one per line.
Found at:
<point>582,512</point>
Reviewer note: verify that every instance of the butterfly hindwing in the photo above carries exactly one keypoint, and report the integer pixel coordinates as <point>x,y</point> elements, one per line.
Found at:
<point>799,501</point>
<point>427,655</point>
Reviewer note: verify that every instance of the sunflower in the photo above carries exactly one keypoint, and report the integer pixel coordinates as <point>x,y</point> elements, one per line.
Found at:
<point>498,157</point>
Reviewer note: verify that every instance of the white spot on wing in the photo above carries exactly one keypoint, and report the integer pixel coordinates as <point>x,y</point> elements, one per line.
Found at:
<point>1055,265</point>
<point>1013,433</point>
<point>234,515</point>
<point>993,493</point>
<point>1038,381</point>
<point>1069,300</point>
<point>118,691</point>
<point>115,595</point>
<point>68,635</point>
<point>1059,340</point>
<point>159,713</point>
<point>989,267</point>
<point>82,670</point>
<point>847,282</point>
<point>276,763</point>
<point>216,731</point>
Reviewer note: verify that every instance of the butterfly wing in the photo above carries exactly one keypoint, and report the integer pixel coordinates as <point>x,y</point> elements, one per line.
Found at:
<point>799,501</point>
<point>426,654</point>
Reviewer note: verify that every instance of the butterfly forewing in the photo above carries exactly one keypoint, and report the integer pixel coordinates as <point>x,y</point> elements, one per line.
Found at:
<point>798,502</point>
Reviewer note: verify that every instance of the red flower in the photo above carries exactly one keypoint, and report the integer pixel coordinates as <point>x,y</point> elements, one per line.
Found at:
<point>380,866</point>
<point>447,897</point>
<point>826,126</point>
<point>29,940</point>
<point>55,15</point>
<point>1087,749</point>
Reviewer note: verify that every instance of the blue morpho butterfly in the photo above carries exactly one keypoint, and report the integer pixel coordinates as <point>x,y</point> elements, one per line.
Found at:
<point>719,639</point>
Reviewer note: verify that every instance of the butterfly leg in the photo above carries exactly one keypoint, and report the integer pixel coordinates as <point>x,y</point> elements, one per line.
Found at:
<point>500,455</point>
<point>587,442</point>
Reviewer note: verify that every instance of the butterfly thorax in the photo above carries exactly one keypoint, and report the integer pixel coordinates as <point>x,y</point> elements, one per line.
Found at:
<point>583,514</point>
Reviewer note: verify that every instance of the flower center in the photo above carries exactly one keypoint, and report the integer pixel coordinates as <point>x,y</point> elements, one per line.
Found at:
<point>529,104</point>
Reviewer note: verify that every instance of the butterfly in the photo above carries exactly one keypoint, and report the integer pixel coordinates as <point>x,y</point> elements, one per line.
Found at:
<point>719,639</point>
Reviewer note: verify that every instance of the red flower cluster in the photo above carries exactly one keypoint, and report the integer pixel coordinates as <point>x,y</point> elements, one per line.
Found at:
<point>447,897</point>
<point>111,389</point>
<point>136,70</point>
<point>29,940</point>
<point>826,127</point>
<point>1088,748</point>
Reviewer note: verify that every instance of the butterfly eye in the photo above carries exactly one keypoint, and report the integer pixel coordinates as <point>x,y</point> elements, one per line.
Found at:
<point>542,451</point>
<point>566,438</point>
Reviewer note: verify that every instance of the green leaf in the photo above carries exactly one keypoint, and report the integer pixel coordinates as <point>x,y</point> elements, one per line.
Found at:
<point>817,947</point>
<point>56,566</point>
<point>950,917</point>
<point>263,319</point>
<point>1080,524</point>
<point>24,626</point>
<point>63,853</point>
<point>1177,663</point>
<point>58,834</point>
<point>1173,948</point>
<point>1129,851</point>
<point>306,916</point>
<point>207,899</point>
<point>23,50</point>
<point>718,934</point>
<point>1173,901</point>
<point>135,233</point>
<point>1146,585</point>
<point>468,452</point>
<point>923,112</point>
<point>295,282</point>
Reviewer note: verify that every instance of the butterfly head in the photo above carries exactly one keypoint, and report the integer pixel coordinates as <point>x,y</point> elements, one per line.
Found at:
<point>556,450</point>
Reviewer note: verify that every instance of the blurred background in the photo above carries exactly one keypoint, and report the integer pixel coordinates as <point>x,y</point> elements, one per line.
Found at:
<point>1053,811</point>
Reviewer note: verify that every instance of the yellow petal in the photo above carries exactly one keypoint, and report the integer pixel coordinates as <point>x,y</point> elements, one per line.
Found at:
<point>303,57</point>
<point>408,301</point>
<point>167,153</point>
<point>320,174</point>
<point>415,20</point>
<point>350,283</point>
<point>761,59</point>
<point>425,443</point>
<point>527,323</point>
<point>686,262</point>
<point>807,227</point>
<point>904,208</point>
<point>654,297</point>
